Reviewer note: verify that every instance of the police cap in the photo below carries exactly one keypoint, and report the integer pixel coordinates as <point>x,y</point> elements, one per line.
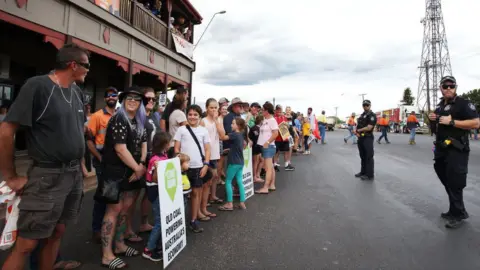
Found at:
<point>448,79</point>
<point>367,102</point>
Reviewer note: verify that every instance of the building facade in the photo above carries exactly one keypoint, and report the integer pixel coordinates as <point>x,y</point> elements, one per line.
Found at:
<point>132,42</point>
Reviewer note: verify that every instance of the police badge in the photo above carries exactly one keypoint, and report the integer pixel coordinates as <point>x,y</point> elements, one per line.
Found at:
<point>471,106</point>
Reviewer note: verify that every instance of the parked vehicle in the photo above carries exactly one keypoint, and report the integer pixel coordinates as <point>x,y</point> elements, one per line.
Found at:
<point>331,122</point>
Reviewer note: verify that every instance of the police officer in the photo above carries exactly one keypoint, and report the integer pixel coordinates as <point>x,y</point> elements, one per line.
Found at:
<point>454,118</point>
<point>365,124</point>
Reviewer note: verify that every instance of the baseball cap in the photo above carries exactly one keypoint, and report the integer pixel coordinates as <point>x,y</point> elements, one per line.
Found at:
<point>448,78</point>
<point>278,107</point>
<point>181,90</point>
<point>366,102</point>
<point>111,89</point>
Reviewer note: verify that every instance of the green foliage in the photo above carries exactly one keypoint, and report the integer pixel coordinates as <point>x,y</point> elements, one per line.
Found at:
<point>473,96</point>
<point>408,99</point>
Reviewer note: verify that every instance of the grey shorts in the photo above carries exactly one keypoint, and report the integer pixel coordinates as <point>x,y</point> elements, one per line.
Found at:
<point>51,196</point>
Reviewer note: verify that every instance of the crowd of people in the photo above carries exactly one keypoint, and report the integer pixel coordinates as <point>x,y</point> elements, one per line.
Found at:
<point>124,144</point>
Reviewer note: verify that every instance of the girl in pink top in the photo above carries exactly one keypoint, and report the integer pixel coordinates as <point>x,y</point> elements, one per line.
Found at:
<point>160,146</point>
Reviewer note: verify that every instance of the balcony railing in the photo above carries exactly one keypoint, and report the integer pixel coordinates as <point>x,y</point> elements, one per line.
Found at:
<point>143,20</point>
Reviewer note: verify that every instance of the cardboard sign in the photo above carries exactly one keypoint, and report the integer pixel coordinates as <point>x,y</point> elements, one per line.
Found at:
<point>248,173</point>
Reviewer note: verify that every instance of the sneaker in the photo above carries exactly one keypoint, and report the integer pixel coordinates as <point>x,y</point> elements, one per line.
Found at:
<point>359,174</point>
<point>195,227</point>
<point>454,223</point>
<point>277,168</point>
<point>289,168</point>
<point>276,165</point>
<point>152,255</point>
<point>345,140</point>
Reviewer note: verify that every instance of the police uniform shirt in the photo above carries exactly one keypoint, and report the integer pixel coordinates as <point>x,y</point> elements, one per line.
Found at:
<point>365,119</point>
<point>54,118</point>
<point>459,109</point>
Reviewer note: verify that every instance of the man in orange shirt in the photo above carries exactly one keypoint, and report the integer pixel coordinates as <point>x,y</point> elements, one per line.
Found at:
<point>97,127</point>
<point>412,124</point>
<point>383,124</point>
<point>351,127</point>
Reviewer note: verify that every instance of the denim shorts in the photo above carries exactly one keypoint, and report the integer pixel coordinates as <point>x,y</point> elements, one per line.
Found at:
<point>269,152</point>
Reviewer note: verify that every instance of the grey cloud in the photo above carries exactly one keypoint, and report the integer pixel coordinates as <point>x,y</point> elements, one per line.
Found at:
<point>252,55</point>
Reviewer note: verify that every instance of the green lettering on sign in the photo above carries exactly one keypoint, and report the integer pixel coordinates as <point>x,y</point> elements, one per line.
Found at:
<point>171,182</point>
<point>246,155</point>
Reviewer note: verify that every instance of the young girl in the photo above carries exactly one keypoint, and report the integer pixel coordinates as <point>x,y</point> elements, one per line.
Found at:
<point>256,149</point>
<point>209,122</point>
<point>306,135</point>
<point>235,162</point>
<point>194,141</point>
<point>160,147</point>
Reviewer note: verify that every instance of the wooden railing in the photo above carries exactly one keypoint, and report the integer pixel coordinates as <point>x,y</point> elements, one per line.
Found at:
<point>144,20</point>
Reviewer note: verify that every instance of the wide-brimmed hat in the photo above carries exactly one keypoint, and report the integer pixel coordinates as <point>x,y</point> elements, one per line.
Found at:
<point>237,100</point>
<point>132,90</point>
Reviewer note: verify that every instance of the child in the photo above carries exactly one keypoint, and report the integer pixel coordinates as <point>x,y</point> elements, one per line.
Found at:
<point>256,149</point>
<point>306,135</point>
<point>185,164</point>
<point>235,163</point>
<point>160,146</point>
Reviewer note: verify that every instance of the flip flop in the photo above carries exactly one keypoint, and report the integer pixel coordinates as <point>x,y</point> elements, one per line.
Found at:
<point>212,215</point>
<point>216,201</point>
<point>258,192</point>
<point>133,238</point>
<point>65,265</point>
<point>204,219</point>
<point>223,208</point>
<point>130,252</point>
<point>115,264</point>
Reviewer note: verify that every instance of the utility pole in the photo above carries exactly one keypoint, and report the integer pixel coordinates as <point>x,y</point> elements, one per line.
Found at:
<point>428,86</point>
<point>363,96</point>
<point>194,98</point>
<point>273,102</point>
<point>336,108</point>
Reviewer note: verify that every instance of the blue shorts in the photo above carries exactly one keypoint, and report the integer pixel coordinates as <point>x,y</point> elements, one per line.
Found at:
<point>269,152</point>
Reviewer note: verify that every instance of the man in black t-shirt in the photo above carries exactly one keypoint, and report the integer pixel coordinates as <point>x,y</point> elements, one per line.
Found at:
<point>51,109</point>
<point>181,94</point>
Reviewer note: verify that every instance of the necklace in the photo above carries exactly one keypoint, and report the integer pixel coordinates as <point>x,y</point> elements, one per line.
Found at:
<point>61,89</point>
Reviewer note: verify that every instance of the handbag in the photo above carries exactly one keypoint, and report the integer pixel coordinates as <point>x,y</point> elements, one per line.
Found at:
<point>108,189</point>
<point>208,175</point>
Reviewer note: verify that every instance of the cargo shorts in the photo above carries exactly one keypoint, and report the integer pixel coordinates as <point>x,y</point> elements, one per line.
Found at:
<point>51,196</point>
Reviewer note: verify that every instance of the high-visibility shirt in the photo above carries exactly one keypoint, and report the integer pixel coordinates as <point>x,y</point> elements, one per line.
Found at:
<point>412,119</point>
<point>98,126</point>
<point>351,121</point>
<point>383,122</point>
<point>322,119</point>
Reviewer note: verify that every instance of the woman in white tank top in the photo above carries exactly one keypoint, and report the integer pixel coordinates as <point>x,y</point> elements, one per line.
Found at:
<point>209,123</point>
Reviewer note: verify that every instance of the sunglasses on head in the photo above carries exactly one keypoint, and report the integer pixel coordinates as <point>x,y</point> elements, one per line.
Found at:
<point>84,65</point>
<point>449,86</point>
<point>133,98</point>
<point>111,95</point>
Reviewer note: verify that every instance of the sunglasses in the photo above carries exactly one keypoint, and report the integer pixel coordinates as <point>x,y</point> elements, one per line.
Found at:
<point>366,105</point>
<point>151,99</point>
<point>133,98</point>
<point>111,95</point>
<point>449,86</point>
<point>84,65</point>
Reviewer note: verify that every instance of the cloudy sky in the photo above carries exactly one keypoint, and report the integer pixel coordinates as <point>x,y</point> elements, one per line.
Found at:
<point>323,53</point>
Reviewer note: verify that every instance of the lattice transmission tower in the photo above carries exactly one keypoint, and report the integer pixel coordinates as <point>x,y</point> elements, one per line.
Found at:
<point>435,62</point>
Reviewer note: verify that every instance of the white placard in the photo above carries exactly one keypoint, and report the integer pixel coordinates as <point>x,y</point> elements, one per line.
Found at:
<point>248,173</point>
<point>162,99</point>
<point>172,210</point>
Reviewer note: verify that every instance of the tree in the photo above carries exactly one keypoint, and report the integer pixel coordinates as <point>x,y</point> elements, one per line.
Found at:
<point>473,96</point>
<point>408,99</point>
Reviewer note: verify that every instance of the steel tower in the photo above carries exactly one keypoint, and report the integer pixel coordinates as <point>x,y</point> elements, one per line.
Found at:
<point>435,62</point>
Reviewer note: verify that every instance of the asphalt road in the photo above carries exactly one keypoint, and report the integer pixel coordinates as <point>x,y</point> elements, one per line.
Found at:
<point>321,217</point>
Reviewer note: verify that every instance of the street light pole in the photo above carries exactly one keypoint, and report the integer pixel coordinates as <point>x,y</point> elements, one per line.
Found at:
<point>220,12</point>
<point>363,96</point>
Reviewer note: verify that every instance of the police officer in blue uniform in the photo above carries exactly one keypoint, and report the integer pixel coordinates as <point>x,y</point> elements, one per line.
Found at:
<point>453,119</point>
<point>365,124</point>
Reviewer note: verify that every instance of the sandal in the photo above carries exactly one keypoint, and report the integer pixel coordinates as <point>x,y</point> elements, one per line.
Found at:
<point>67,265</point>
<point>130,252</point>
<point>115,264</point>
<point>224,208</point>
<point>133,238</point>
<point>212,215</point>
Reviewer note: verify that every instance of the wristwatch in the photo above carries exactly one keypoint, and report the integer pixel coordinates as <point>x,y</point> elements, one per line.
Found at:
<point>143,162</point>
<point>206,163</point>
<point>452,123</point>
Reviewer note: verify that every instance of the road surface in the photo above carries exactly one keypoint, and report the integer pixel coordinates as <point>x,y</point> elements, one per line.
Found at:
<point>321,217</point>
